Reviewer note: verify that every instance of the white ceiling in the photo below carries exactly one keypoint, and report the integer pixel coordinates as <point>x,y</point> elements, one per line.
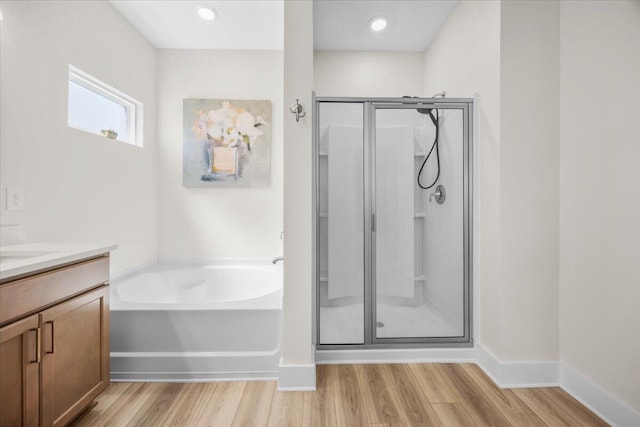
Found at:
<point>241,24</point>
<point>259,24</point>
<point>412,24</point>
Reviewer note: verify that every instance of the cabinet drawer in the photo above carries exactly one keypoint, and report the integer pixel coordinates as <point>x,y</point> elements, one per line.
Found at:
<point>28,295</point>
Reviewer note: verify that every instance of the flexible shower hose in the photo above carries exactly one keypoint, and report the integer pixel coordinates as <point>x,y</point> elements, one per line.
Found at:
<point>434,146</point>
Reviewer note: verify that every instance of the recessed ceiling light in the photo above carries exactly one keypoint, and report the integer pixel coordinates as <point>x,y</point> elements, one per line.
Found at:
<point>378,23</point>
<point>207,12</point>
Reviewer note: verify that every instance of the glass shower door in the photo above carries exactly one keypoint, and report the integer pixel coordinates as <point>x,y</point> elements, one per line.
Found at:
<point>341,281</point>
<point>419,230</point>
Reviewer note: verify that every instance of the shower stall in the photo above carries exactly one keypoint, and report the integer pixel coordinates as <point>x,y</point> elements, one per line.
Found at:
<point>393,222</point>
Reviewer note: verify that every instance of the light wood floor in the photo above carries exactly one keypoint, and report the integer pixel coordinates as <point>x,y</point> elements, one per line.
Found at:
<point>347,395</point>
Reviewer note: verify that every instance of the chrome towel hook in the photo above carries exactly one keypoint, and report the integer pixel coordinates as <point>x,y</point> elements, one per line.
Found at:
<point>297,110</point>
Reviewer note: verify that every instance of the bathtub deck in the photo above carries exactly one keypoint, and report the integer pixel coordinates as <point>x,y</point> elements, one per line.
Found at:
<point>347,395</point>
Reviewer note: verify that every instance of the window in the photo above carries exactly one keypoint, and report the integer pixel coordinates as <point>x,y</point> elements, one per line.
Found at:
<point>98,108</point>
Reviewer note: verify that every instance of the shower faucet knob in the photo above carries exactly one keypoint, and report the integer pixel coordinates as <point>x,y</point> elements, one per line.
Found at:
<point>440,194</point>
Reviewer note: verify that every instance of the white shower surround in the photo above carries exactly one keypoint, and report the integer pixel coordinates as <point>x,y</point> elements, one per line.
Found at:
<point>197,323</point>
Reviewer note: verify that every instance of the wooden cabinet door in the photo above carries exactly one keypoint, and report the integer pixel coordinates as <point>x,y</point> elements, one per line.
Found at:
<point>19,373</point>
<point>75,355</point>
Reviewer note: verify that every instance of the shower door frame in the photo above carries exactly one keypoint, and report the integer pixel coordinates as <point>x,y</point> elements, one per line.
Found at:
<point>370,105</point>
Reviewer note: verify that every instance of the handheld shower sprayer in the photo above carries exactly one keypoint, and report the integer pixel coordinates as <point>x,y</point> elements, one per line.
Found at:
<point>435,146</point>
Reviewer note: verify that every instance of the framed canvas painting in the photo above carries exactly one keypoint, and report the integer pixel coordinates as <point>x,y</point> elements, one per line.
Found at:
<point>226,143</point>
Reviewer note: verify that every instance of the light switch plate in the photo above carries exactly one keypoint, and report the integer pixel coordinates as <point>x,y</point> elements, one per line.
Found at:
<point>15,199</point>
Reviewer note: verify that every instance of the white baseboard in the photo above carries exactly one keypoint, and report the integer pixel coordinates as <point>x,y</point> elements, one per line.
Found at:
<point>517,374</point>
<point>194,366</point>
<point>297,377</point>
<point>405,355</point>
<point>191,377</point>
<point>609,408</point>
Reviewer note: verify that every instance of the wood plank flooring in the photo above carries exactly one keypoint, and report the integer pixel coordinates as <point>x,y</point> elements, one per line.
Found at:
<point>347,395</point>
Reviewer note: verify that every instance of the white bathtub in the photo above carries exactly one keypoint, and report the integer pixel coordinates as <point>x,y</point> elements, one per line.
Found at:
<point>201,323</point>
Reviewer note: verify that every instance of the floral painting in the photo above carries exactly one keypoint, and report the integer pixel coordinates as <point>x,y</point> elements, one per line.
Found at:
<point>226,143</point>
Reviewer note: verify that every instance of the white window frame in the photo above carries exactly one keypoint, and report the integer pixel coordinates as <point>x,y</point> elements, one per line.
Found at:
<point>133,107</point>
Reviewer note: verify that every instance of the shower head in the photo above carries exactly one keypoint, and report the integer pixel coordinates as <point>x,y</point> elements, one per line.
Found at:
<point>428,110</point>
<point>420,110</point>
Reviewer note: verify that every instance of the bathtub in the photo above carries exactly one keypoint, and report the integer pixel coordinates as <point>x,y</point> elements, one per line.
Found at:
<point>197,323</point>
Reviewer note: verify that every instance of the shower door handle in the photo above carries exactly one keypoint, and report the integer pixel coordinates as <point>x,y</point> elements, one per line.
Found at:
<point>373,222</point>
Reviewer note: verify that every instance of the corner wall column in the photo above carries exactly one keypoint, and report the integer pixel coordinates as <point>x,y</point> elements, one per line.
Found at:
<point>297,366</point>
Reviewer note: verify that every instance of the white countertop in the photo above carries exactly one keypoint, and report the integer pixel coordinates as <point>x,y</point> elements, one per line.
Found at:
<point>24,258</point>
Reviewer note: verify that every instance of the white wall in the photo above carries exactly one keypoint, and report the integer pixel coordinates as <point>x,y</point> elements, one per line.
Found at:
<point>368,74</point>
<point>529,141</point>
<point>208,223</point>
<point>78,187</point>
<point>487,48</point>
<point>600,194</point>
<point>464,59</point>
<point>297,369</point>
<point>557,181</point>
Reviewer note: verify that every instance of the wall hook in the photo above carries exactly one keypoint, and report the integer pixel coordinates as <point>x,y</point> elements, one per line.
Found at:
<point>297,110</point>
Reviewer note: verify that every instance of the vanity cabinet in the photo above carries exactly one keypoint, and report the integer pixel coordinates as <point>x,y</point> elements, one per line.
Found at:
<point>54,343</point>
<point>75,355</point>
<point>19,373</point>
